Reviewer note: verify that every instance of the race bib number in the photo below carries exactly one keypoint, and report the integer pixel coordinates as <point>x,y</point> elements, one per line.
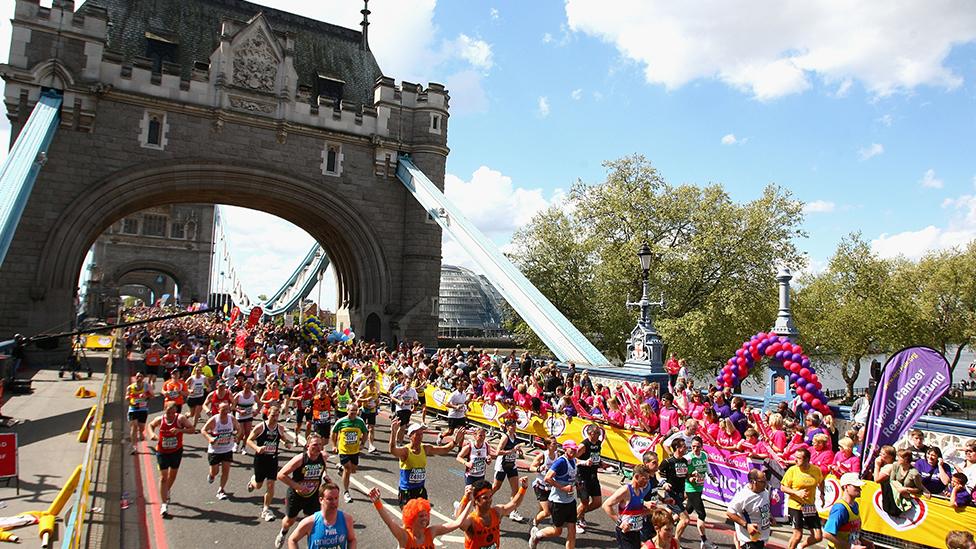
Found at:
<point>223,438</point>
<point>478,468</point>
<point>809,510</point>
<point>635,522</point>
<point>352,437</point>
<point>197,391</point>
<point>509,459</point>
<point>595,459</point>
<point>681,470</point>
<point>417,476</point>
<point>139,403</point>
<point>169,443</point>
<point>271,448</point>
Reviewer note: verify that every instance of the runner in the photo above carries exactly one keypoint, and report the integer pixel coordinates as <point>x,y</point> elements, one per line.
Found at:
<point>220,431</point>
<point>674,470</point>
<point>404,397</point>
<point>244,402</point>
<point>368,392</point>
<point>220,396</point>
<point>303,474</point>
<point>664,537</point>
<point>197,395</point>
<point>749,510</point>
<point>301,397</point>
<point>152,359</point>
<point>347,436</point>
<point>627,509</point>
<point>474,456</point>
<point>138,394</point>
<point>174,390</point>
<point>507,452</point>
<point>265,440</point>
<point>342,398</point>
<point>482,526</point>
<point>322,411</point>
<point>169,450</point>
<point>327,528</point>
<point>541,464</point>
<point>457,409</point>
<point>413,458</point>
<point>695,484</point>
<point>843,528</point>
<point>561,477</point>
<point>800,482</point>
<point>415,531</point>
<point>271,397</point>
<point>589,491</point>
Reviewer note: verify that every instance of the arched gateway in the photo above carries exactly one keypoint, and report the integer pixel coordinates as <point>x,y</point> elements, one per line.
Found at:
<point>214,101</point>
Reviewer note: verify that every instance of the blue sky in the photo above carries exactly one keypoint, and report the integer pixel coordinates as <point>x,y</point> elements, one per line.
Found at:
<point>865,111</point>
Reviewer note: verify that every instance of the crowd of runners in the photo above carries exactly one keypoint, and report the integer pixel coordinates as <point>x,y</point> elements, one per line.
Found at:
<point>271,390</point>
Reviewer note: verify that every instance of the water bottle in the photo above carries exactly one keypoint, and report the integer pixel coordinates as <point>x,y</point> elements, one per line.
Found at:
<point>125,500</point>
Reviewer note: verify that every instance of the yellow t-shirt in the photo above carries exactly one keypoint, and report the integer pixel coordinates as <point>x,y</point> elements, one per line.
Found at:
<point>350,433</point>
<point>796,479</point>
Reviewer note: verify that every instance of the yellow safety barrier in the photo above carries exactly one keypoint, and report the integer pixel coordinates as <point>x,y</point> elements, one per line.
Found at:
<point>86,426</point>
<point>58,504</point>
<point>84,393</point>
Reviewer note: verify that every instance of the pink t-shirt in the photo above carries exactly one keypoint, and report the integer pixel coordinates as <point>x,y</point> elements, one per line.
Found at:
<point>696,410</point>
<point>778,440</point>
<point>822,458</point>
<point>728,440</point>
<point>846,464</point>
<point>669,420</point>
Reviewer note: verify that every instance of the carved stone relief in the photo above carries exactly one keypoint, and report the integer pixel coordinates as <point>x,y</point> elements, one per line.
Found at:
<point>255,64</point>
<point>249,105</point>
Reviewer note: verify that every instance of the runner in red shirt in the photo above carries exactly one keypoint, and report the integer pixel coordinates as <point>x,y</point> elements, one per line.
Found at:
<point>174,390</point>
<point>302,396</point>
<point>152,360</point>
<point>218,397</point>
<point>169,450</point>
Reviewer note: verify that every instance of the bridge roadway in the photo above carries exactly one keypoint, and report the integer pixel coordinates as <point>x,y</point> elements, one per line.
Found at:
<point>198,519</point>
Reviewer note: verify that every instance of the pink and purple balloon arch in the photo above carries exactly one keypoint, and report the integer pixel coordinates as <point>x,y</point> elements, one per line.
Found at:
<point>803,379</point>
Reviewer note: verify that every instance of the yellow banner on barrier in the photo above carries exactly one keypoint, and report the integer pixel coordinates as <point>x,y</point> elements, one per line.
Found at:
<point>926,523</point>
<point>99,342</point>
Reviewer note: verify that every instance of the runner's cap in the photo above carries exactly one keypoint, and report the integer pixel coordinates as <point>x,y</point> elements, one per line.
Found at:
<point>569,444</point>
<point>850,479</point>
<point>414,427</point>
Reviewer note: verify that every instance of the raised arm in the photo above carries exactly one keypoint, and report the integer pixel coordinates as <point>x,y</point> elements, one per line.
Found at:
<point>391,522</point>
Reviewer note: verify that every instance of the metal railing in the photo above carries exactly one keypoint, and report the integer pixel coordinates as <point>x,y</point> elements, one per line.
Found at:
<point>75,521</point>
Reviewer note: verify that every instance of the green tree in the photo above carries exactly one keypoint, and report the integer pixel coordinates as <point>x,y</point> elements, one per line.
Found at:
<point>715,268</point>
<point>853,309</point>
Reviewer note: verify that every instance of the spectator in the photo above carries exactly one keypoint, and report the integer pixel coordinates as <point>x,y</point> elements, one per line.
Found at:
<point>958,539</point>
<point>959,496</point>
<point>821,455</point>
<point>844,460</point>
<point>738,415</point>
<point>860,409</point>
<point>969,469</point>
<point>664,537</point>
<point>728,436</point>
<point>916,443</point>
<point>933,471</point>
<point>720,406</point>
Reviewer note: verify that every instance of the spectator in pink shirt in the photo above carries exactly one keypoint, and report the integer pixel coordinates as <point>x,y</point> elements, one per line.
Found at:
<point>844,460</point>
<point>670,418</point>
<point>728,436</point>
<point>777,436</point>
<point>821,455</point>
<point>696,408</point>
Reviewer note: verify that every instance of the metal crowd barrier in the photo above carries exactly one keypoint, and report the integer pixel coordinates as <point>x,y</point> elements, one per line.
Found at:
<point>75,520</point>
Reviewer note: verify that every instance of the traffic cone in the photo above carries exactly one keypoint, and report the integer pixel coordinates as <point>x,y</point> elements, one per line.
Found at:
<point>84,393</point>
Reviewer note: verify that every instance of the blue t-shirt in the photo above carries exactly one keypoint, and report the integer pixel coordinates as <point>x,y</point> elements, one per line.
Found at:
<point>930,476</point>
<point>723,410</point>
<point>740,421</point>
<point>839,517</point>
<point>565,475</point>
<point>328,536</point>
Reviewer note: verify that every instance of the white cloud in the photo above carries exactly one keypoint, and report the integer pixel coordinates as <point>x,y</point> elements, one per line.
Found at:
<point>489,192</point>
<point>886,120</point>
<point>547,38</point>
<point>819,206</point>
<point>493,13</point>
<point>729,139</point>
<point>871,151</point>
<point>474,51</point>
<point>576,94</point>
<point>959,231</point>
<point>543,106</point>
<point>930,181</point>
<point>888,50</point>
<point>844,88</point>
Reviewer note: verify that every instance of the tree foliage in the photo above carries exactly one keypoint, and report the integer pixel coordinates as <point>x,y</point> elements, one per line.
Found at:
<point>716,263</point>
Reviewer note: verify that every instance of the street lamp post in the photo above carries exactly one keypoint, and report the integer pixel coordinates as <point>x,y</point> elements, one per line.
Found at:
<point>645,349</point>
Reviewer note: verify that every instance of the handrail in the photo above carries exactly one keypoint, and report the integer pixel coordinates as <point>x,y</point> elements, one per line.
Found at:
<point>74,522</point>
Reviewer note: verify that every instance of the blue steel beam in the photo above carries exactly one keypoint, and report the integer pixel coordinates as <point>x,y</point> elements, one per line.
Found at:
<point>554,329</point>
<point>299,284</point>
<point>23,164</point>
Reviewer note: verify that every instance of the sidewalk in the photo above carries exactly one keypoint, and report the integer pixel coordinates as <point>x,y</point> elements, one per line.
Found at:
<point>47,424</point>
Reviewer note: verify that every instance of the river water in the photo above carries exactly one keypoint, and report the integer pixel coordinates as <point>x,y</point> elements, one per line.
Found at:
<point>830,375</point>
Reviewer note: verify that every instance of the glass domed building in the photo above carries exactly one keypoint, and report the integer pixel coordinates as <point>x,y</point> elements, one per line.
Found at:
<point>469,306</point>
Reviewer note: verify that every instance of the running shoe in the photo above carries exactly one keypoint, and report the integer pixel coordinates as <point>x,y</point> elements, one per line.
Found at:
<point>705,544</point>
<point>581,527</point>
<point>267,515</point>
<point>234,449</point>
<point>514,515</point>
<point>163,509</point>
<point>244,449</point>
<point>533,538</point>
<point>348,497</point>
<point>279,539</point>
<point>210,478</point>
<point>250,485</point>
<point>221,494</point>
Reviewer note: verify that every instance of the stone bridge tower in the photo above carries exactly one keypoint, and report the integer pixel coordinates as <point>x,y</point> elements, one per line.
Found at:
<point>170,102</point>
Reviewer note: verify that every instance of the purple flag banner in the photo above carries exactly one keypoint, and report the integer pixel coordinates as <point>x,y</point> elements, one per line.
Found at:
<point>911,381</point>
<point>731,471</point>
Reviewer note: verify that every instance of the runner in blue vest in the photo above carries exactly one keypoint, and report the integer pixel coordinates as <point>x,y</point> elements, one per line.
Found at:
<point>329,528</point>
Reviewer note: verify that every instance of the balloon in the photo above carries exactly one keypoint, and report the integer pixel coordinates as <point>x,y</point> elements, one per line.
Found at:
<point>728,378</point>
<point>800,390</point>
<point>776,347</point>
<point>346,331</point>
<point>797,349</point>
<point>811,388</point>
<point>805,373</point>
<point>348,342</point>
<point>769,351</point>
<point>740,361</point>
<point>814,377</point>
<point>805,407</point>
<point>761,335</point>
<point>807,397</point>
<point>783,339</point>
<point>805,362</point>
<point>794,378</point>
<point>352,335</point>
<point>796,357</point>
<point>745,344</point>
<point>788,347</point>
<point>739,352</point>
<point>743,371</point>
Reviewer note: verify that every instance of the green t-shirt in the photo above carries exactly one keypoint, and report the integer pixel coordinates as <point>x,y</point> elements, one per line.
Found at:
<point>696,464</point>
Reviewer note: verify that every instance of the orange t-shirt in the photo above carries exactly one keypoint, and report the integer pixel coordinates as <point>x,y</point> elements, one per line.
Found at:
<point>480,535</point>
<point>412,542</point>
<point>173,391</point>
<point>152,357</point>
<point>272,396</point>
